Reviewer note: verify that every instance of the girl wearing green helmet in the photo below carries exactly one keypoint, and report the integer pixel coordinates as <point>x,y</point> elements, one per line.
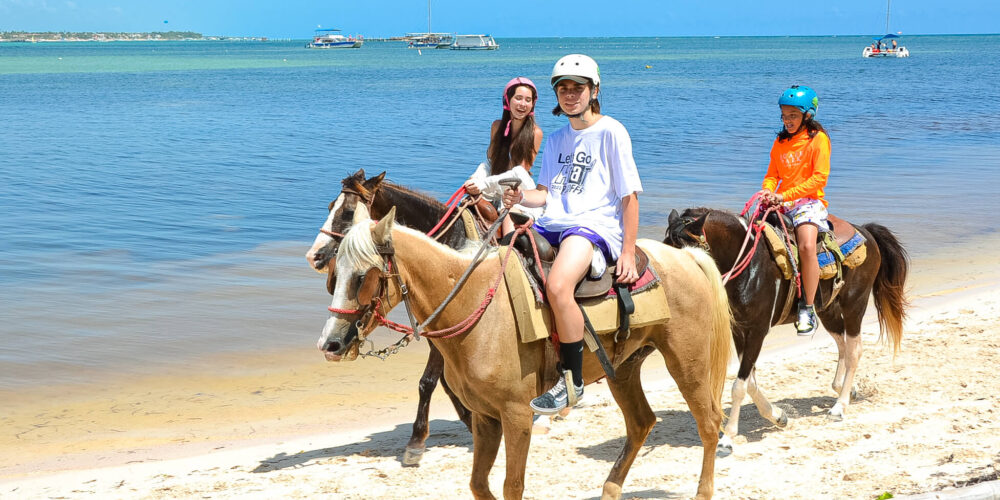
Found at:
<point>796,176</point>
<point>588,185</point>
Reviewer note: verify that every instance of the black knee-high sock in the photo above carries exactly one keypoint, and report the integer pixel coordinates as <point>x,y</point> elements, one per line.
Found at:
<point>572,359</point>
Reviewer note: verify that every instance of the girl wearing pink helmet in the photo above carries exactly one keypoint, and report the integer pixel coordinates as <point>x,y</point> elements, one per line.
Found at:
<point>514,143</point>
<point>588,185</point>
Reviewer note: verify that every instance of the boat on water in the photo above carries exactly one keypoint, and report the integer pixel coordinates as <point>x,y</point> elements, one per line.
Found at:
<point>886,45</point>
<point>331,38</point>
<point>474,42</point>
<point>429,40</point>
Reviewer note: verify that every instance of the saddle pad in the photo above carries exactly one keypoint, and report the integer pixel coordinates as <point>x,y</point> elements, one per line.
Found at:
<point>534,320</point>
<point>854,252</point>
<point>853,249</point>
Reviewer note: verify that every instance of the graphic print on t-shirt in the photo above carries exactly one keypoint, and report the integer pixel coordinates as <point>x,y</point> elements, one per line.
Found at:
<point>573,172</point>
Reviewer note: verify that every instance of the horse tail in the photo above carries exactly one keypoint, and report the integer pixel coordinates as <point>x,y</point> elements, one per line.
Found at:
<point>722,337</point>
<point>888,290</point>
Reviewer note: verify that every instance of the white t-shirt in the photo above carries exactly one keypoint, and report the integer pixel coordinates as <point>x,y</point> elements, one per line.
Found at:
<point>587,173</point>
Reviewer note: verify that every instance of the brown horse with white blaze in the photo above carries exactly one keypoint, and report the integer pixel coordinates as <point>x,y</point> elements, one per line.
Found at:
<point>496,375</point>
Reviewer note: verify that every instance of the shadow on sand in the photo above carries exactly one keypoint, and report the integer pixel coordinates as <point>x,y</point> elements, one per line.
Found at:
<point>380,444</point>
<point>677,428</point>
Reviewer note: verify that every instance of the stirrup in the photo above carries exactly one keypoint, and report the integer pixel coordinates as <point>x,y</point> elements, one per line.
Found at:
<point>571,397</point>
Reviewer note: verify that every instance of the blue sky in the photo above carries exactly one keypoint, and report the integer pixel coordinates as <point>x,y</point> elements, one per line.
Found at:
<point>512,18</point>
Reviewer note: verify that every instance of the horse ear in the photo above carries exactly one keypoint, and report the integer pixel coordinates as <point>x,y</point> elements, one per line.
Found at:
<point>698,223</point>
<point>673,216</point>
<point>360,214</point>
<point>383,229</point>
<point>359,173</point>
<point>374,182</point>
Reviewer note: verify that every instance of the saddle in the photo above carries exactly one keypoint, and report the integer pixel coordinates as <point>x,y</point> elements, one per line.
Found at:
<point>588,287</point>
<point>609,304</point>
<point>841,245</point>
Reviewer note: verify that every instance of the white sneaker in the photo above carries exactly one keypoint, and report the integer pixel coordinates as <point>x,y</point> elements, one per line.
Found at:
<point>807,322</point>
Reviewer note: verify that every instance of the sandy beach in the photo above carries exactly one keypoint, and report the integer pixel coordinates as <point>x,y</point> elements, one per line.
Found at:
<point>288,425</point>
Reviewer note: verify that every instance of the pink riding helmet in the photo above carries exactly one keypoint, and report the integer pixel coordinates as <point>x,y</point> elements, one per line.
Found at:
<point>506,103</point>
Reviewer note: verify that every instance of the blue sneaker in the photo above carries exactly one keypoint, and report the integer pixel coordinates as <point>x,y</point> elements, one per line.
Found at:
<point>556,399</point>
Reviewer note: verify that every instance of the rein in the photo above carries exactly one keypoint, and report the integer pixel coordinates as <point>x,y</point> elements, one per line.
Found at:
<point>755,226</point>
<point>409,332</point>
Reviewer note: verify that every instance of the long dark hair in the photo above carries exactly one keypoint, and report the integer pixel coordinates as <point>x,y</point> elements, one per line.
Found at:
<point>809,123</point>
<point>508,150</point>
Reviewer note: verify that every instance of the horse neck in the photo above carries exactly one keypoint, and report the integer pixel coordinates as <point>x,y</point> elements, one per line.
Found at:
<point>416,211</point>
<point>430,270</point>
<point>412,209</point>
<point>725,234</point>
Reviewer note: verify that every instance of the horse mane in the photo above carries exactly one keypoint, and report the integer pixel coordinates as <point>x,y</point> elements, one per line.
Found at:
<point>422,201</point>
<point>358,248</point>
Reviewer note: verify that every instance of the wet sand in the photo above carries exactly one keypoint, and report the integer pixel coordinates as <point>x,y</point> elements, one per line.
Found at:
<point>239,416</point>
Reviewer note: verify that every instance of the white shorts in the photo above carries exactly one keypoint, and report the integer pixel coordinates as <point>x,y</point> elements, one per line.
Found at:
<point>808,211</point>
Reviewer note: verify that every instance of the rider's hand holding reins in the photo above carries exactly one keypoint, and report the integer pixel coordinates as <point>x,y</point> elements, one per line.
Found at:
<point>512,197</point>
<point>471,187</point>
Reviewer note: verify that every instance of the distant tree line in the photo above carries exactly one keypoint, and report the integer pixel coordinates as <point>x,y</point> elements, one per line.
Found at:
<point>97,35</point>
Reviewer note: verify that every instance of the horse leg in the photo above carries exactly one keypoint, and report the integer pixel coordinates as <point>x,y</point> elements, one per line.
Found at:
<point>516,423</point>
<point>772,413</point>
<point>486,434</point>
<point>838,378</point>
<point>639,420</point>
<point>732,429</point>
<point>852,357</point>
<point>692,377</point>
<point>428,382</point>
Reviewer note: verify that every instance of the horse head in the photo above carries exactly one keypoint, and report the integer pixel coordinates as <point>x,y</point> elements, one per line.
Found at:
<point>356,190</point>
<point>687,229</point>
<point>363,289</point>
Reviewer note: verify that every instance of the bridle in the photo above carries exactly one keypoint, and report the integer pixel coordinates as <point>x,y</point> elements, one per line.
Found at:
<point>700,239</point>
<point>348,215</point>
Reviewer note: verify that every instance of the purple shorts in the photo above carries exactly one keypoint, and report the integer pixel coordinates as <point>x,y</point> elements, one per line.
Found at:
<point>555,238</point>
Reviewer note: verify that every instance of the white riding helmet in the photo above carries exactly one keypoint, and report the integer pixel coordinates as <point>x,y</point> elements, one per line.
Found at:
<point>576,67</point>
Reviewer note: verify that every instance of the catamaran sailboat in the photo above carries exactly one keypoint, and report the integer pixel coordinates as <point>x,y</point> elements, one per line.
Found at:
<point>886,45</point>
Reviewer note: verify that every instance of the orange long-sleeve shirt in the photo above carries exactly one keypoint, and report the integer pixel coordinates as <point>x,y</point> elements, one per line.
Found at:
<point>799,167</point>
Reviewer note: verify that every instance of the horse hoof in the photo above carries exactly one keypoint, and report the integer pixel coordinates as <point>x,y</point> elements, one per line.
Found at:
<point>725,447</point>
<point>836,413</point>
<point>833,417</point>
<point>611,491</point>
<point>854,394</point>
<point>782,421</point>
<point>412,456</point>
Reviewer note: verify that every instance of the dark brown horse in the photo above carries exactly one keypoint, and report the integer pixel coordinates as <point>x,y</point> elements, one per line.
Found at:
<point>757,296</point>
<point>415,210</point>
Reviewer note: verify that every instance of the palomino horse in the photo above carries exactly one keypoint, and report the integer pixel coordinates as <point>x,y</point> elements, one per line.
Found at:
<point>496,375</point>
<point>756,296</point>
<point>418,211</point>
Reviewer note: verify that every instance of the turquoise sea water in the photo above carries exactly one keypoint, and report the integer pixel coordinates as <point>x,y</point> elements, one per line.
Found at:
<point>157,198</point>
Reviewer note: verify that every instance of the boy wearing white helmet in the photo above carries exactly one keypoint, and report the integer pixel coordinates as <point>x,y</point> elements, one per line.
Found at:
<point>588,185</point>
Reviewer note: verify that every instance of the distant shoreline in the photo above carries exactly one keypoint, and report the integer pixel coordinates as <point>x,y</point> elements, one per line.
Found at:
<point>115,36</point>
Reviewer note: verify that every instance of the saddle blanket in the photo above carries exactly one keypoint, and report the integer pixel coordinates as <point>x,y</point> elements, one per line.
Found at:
<point>853,250</point>
<point>534,320</point>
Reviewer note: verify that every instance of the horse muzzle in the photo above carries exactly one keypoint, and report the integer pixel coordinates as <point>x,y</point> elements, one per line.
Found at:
<point>339,346</point>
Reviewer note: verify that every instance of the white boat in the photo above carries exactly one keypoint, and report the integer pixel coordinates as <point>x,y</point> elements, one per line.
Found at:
<point>429,40</point>
<point>332,39</point>
<point>474,42</point>
<point>886,45</point>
